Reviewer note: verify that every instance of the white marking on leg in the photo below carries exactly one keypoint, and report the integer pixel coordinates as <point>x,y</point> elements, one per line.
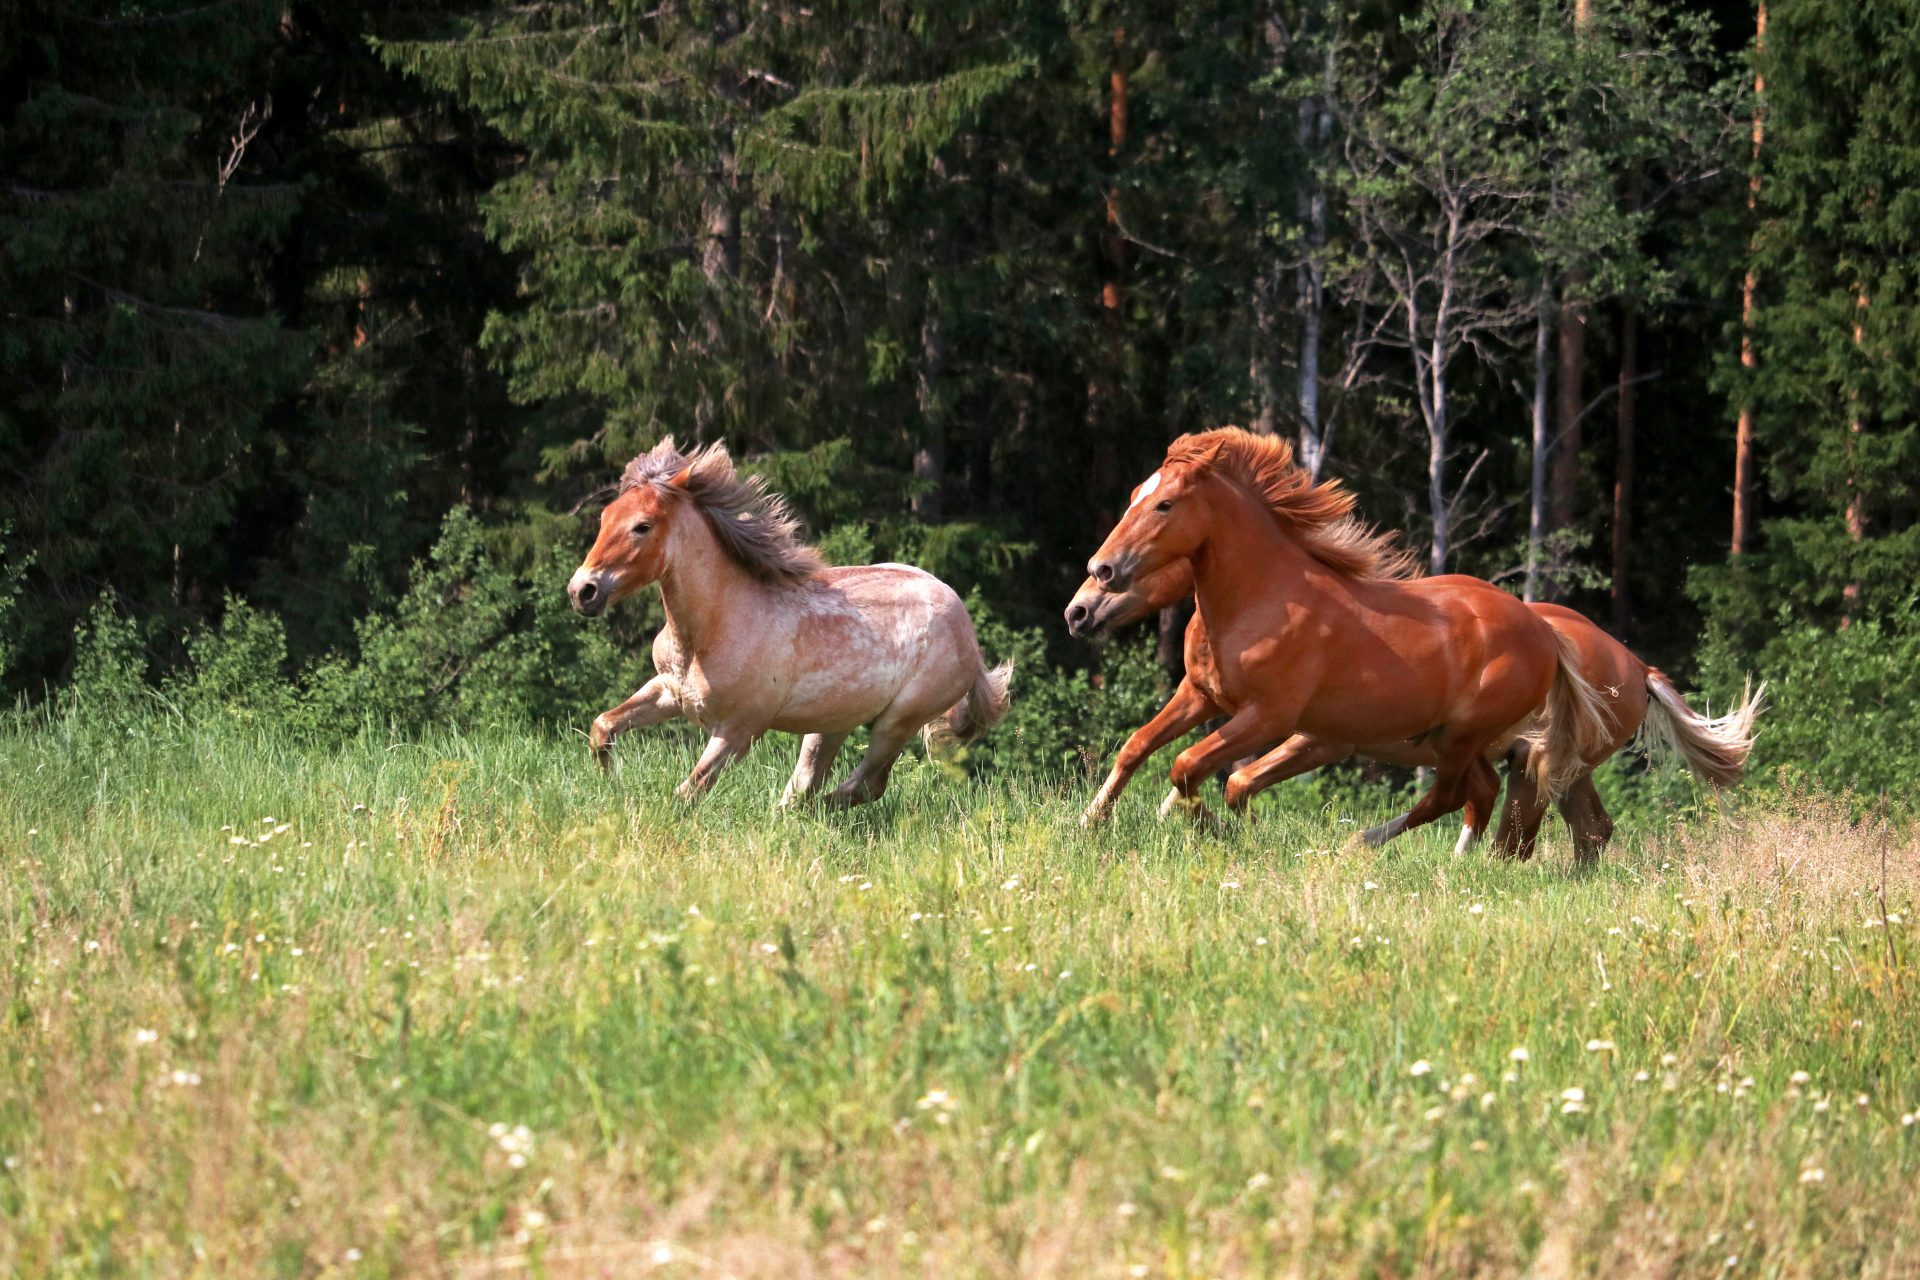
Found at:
<point>1465,841</point>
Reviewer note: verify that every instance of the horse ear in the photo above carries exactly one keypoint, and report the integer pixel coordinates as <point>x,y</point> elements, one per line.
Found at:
<point>681,478</point>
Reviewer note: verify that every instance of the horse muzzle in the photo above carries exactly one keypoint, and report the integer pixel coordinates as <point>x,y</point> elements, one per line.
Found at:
<point>590,590</point>
<point>1114,573</point>
<point>1089,614</point>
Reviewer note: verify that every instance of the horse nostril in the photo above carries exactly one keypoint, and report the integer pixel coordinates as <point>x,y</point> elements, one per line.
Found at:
<point>1102,572</point>
<point>588,591</point>
<point>1076,615</point>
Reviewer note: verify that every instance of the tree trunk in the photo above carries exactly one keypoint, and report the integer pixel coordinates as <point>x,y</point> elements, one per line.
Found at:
<point>930,459</point>
<point>1103,387</point>
<point>1743,460</point>
<point>1566,448</point>
<point>1856,501</point>
<point>1569,403</point>
<point>720,240</point>
<point>1315,122</point>
<point>1537,487</point>
<point>1623,429</point>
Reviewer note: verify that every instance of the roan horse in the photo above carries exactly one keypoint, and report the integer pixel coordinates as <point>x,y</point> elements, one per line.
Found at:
<point>762,635</point>
<point>1636,695</point>
<point>1316,626</point>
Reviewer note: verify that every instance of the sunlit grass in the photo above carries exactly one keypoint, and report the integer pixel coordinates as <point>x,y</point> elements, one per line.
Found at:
<point>464,1004</point>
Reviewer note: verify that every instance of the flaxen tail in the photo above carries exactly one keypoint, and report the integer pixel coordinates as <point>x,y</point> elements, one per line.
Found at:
<point>1715,749</point>
<point>984,706</point>
<point>1579,726</point>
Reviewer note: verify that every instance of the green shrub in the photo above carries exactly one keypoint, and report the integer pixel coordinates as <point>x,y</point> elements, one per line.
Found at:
<point>1844,704</point>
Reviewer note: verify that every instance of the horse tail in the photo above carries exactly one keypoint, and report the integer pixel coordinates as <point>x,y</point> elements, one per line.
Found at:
<point>984,706</point>
<point>1579,725</point>
<point>1714,749</point>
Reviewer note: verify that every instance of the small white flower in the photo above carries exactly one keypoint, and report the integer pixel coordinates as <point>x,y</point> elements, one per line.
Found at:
<point>1814,1174</point>
<point>1799,1077</point>
<point>1599,1046</point>
<point>144,1036</point>
<point>1420,1068</point>
<point>1574,1094</point>
<point>1259,1182</point>
<point>1669,1059</point>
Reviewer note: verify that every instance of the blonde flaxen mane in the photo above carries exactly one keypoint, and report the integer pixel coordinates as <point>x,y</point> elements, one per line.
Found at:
<point>753,525</point>
<point>1319,515</point>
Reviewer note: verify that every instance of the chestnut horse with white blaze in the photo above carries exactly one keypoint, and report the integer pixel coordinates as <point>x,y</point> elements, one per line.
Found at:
<point>762,635</point>
<point>1640,701</point>
<point>1317,626</point>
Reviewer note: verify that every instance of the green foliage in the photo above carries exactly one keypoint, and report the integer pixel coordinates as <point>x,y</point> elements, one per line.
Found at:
<point>110,665</point>
<point>1843,703</point>
<point>472,642</point>
<point>13,570</point>
<point>1065,719</point>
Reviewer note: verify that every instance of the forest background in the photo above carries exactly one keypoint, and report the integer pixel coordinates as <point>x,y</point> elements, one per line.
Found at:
<point>325,327</point>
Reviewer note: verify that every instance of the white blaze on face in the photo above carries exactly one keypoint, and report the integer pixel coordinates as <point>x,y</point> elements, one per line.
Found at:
<point>1153,482</point>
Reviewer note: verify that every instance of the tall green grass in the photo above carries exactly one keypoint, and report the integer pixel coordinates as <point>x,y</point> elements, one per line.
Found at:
<point>462,1005</point>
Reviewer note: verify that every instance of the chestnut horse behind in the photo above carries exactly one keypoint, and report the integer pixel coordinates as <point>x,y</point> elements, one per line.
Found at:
<point>1317,627</point>
<point>762,635</point>
<point>1713,749</point>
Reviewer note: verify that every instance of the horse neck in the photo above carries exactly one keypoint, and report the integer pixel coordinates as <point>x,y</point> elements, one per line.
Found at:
<point>1246,560</point>
<point>701,586</point>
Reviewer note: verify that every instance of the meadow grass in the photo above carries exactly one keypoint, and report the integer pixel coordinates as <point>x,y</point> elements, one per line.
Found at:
<point>464,1006</point>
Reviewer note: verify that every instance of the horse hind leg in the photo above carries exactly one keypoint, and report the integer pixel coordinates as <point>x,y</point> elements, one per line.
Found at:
<point>1483,791</point>
<point>1453,782</point>
<point>1525,808</point>
<point>886,739</point>
<point>817,752</point>
<point>1587,818</point>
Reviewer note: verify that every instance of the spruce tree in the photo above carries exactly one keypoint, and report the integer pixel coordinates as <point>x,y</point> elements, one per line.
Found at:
<point>139,353</point>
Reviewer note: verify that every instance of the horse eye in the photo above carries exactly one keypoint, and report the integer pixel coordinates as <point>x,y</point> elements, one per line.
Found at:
<point>641,530</point>
<point>1163,507</point>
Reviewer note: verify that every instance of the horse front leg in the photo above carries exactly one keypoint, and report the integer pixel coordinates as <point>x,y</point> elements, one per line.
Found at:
<point>1187,708</point>
<point>1302,753</point>
<point>1251,731</point>
<point>727,745</point>
<point>656,701</point>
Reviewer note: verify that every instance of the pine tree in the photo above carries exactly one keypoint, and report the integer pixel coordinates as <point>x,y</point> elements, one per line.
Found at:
<point>139,353</point>
<point>1836,323</point>
<point>713,212</point>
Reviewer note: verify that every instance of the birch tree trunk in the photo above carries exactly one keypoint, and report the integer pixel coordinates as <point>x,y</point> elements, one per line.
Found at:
<point>1537,487</point>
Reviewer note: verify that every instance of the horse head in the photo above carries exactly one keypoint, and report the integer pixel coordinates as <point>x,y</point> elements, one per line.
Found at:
<point>631,549</point>
<point>1094,612</point>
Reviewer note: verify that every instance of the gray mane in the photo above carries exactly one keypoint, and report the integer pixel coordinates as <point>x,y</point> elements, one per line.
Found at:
<point>754,526</point>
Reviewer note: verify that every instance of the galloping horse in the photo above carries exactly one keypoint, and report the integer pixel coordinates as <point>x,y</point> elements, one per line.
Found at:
<point>1316,626</point>
<point>762,635</point>
<point>1714,749</point>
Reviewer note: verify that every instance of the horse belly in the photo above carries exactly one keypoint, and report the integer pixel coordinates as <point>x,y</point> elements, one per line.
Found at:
<point>852,668</point>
